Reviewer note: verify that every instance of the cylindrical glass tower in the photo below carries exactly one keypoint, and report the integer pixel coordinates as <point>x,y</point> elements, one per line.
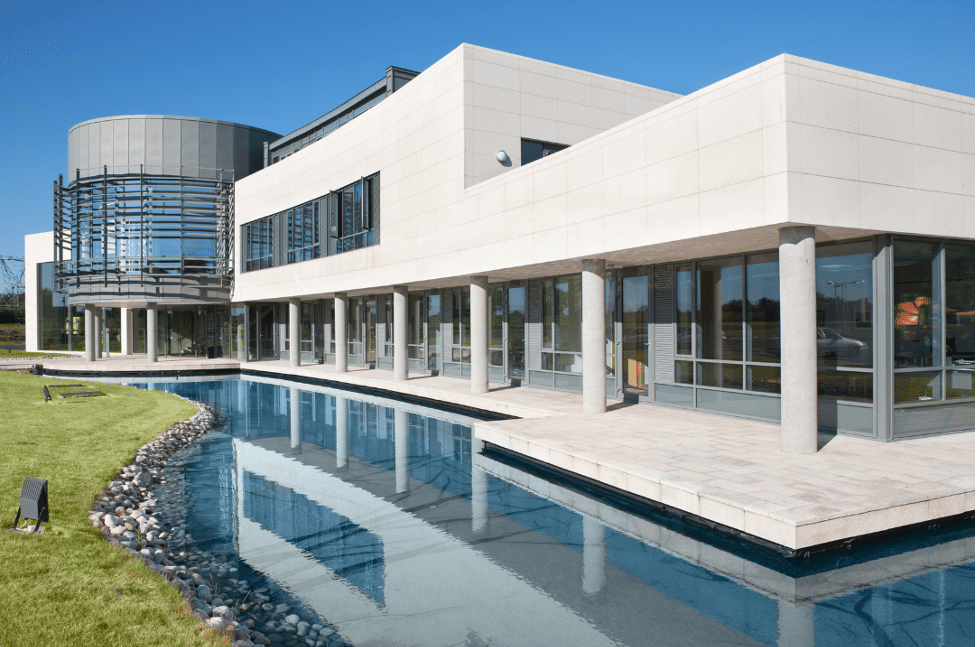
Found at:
<point>147,215</point>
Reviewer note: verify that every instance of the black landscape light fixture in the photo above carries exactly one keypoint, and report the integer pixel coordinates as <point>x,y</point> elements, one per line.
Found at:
<point>33,503</point>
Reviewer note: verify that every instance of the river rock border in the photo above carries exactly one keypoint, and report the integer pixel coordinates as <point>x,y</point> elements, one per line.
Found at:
<point>125,513</point>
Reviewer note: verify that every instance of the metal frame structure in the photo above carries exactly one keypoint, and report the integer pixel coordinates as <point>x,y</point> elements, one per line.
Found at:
<point>145,236</point>
<point>11,282</point>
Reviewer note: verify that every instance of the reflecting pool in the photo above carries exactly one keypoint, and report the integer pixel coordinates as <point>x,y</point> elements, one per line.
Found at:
<point>378,516</point>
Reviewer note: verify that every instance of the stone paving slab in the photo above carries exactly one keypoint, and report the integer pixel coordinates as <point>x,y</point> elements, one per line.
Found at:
<point>851,487</point>
<point>727,470</point>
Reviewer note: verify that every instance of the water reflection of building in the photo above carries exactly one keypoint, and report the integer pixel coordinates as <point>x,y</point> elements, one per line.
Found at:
<point>506,220</point>
<point>419,508</point>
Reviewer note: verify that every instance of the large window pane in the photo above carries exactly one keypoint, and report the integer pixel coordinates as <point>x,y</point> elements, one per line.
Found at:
<point>960,306</point>
<point>683,310</point>
<point>763,308</point>
<point>567,315</point>
<point>845,385</point>
<point>726,376</point>
<point>496,316</point>
<point>916,273</point>
<point>918,386</point>
<point>548,314</point>
<point>844,305</point>
<point>763,378</point>
<point>719,309</point>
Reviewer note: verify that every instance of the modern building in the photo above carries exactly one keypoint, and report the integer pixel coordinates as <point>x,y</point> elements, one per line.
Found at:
<point>794,243</point>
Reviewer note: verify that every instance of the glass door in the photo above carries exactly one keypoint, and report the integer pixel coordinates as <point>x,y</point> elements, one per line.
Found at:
<point>634,337</point>
<point>516,340</point>
<point>266,331</point>
<point>371,332</point>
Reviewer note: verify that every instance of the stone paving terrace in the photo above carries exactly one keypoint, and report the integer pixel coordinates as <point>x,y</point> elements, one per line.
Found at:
<point>728,470</point>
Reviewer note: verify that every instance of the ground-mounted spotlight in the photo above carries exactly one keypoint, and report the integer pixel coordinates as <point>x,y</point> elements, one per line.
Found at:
<point>33,504</point>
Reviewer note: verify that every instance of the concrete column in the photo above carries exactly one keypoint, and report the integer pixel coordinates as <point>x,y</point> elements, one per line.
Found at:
<point>342,431</point>
<point>479,500</point>
<point>295,418</point>
<point>152,326</point>
<point>126,331</point>
<point>592,336</point>
<point>594,555</point>
<point>400,332</point>
<point>401,455</point>
<point>339,322</point>
<point>798,342</point>
<point>294,332</point>
<point>97,314</point>
<point>795,624</point>
<point>479,324</point>
<point>90,333</point>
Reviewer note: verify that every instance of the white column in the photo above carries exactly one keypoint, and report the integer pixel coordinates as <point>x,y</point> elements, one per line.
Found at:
<point>294,332</point>
<point>152,346</point>
<point>592,336</point>
<point>401,456</point>
<point>126,331</point>
<point>90,333</point>
<point>594,555</point>
<point>479,499</point>
<point>798,342</point>
<point>342,431</point>
<point>295,418</point>
<point>339,323</point>
<point>795,624</point>
<point>97,313</point>
<point>479,324</point>
<point>400,332</point>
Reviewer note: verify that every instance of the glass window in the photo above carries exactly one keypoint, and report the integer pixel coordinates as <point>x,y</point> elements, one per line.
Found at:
<point>959,343</point>
<point>845,385</point>
<point>434,332</point>
<point>719,374</point>
<point>548,314</point>
<point>763,309</point>
<point>533,150</point>
<point>683,310</point>
<point>918,386</point>
<point>496,325</point>
<point>916,277</point>
<point>719,309</point>
<point>567,316</point>
<point>844,304</point>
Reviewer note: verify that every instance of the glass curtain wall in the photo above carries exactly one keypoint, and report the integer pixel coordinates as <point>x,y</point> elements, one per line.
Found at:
<point>461,333</point>
<point>416,321</point>
<point>727,334</point>
<point>933,340</point>
<point>845,336</point>
<point>434,332</point>
<point>496,331</point>
<point>60,326</point>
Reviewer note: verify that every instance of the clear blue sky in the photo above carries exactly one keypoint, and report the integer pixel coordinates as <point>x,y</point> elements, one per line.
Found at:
<point>279,64</point>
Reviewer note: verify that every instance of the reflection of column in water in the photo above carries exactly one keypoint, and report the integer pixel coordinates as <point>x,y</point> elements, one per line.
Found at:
<point>594,555</point>
<point>295,417</point>
<point>795,624</point>
<point>479,499</point>
<point>402,460</point>
<point>342,431</point>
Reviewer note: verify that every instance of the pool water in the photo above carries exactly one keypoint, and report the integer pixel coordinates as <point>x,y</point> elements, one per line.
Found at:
<point>377,516</point>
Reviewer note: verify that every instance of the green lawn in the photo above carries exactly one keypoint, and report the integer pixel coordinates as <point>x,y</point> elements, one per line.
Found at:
<point>67,585</point>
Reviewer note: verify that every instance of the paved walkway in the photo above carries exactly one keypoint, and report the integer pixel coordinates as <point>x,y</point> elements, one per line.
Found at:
<point>727,470</point>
